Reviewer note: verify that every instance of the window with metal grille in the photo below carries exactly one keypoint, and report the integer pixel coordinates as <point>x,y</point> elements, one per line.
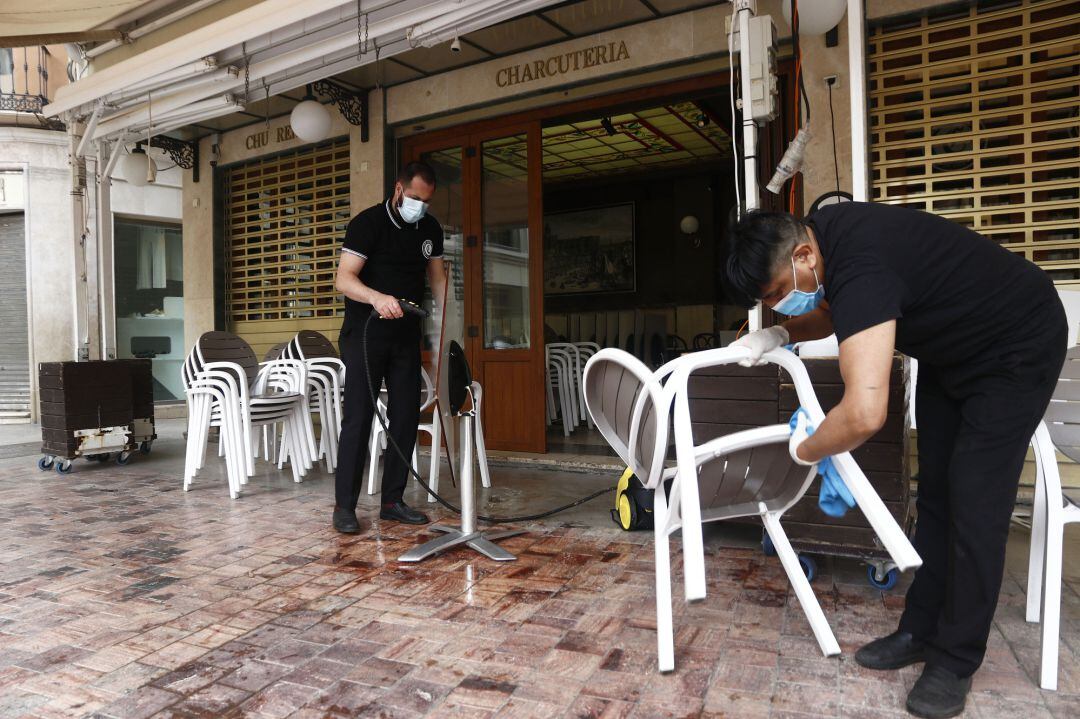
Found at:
<point>975,116</point>
<point>285,217</point>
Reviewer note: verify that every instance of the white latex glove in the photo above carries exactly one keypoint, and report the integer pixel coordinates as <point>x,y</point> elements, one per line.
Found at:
<point>798,436</point>
<point>760,342</point>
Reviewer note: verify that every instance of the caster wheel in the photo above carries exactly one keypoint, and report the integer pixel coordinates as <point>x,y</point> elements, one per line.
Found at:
<point>767,547</point>
<point>63,467</point>
<point>45,464</point>
<point>144,447</point>
<point>809,566</point>
<point>123,458</point>
<point>884,581</point>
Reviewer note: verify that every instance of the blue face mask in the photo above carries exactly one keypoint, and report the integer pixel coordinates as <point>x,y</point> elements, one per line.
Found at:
<point>797,302</point>
<point>412,210</point>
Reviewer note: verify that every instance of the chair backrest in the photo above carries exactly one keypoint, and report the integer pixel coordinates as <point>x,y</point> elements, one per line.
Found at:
<point>1070,300</point>
<point>275,352</point>
<point>226,347</point>
<point>312,345</point>
<point>1063,414</point>
<point>629,408</point>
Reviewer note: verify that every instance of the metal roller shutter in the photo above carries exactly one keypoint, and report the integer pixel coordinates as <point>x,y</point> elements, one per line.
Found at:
<point>14,346</point>
<point>285,218</point>
<point>975,116</point>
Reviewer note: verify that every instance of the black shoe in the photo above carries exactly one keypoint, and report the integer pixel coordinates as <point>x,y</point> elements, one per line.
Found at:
<point>401,512</point>
<point>892,652</point>
<point>345,521</point>
<point>938,693</point>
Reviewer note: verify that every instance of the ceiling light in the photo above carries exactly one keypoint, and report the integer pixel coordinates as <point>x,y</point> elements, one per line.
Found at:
<point>310,119</point>
<point>818,17</point>
<point>702,120</point>
<point>455,46</point>
<point>137,168</point>
<point>608,127</point>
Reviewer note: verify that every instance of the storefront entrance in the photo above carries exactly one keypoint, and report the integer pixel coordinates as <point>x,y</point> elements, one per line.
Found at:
<point>668,148</point>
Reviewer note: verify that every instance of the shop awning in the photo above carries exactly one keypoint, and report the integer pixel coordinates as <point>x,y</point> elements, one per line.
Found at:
<point>32,22</point>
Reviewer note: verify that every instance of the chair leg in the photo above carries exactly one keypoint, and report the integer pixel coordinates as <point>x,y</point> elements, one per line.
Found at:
<point>805,594</point>
<point>1051,605</point>
<point>436,451</point>
<point>1037,550</point>
<point>373,461</point>
<point>665,632</point>
<point>296,437</point>
<point>481,453</point>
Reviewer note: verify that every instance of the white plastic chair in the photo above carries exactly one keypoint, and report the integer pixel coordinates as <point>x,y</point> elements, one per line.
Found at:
<point>558,386</point>
<point>585,351</point>
<point>229,389</point>
<point>1053,509</point>
<point>377,439</point>
<point>742,474</point>
<point>326,378</point>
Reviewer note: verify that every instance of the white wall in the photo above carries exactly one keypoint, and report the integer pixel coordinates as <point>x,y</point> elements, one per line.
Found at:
<point>51,256</point>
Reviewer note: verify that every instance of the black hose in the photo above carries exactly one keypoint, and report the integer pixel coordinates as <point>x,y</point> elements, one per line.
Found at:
<point>435,452</point>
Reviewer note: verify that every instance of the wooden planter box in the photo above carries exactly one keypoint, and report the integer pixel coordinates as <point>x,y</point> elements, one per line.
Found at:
<point>731,398</point>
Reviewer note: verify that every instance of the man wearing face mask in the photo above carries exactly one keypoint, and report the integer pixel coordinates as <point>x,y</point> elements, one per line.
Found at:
<point>388,250</point>
<point>989,332</point>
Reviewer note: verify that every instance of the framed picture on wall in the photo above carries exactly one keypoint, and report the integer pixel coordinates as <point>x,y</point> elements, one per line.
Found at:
<point>590,250</point>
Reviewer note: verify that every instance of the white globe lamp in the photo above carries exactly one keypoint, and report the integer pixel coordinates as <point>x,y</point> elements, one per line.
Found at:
<point>310,120</point>
<point>816,17</point>
<point>689,225</point>
<point>136,169</point>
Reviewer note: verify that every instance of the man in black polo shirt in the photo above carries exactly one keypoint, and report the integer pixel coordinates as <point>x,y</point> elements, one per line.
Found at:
<point>989,332</point>
<point>388,249</point>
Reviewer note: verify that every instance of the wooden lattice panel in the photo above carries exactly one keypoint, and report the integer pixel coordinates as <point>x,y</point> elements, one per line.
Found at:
<point>975,116</point>
<point>285,218</point>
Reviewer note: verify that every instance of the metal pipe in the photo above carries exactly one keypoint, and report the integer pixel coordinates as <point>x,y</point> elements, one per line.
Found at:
<point>857,68</point>
<point>197,68</point>
<point>752,200</point>
<point>88,133</point>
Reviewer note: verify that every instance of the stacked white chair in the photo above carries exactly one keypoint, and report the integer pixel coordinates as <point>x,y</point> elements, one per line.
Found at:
<point>326,380</point>
<point>742,474</point>
<point>560,387</point>
<point>585,350</point>
<point>228,388</point>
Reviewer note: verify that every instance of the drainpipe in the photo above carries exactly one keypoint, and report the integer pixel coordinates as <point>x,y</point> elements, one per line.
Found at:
<point>79,236</point>
<point>857,68</point>
<point>105,294</point>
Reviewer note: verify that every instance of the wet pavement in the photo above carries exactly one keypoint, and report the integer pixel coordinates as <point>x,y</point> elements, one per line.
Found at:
<point>122,596</point>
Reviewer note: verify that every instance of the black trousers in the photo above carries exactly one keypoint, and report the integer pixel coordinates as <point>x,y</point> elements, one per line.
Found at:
<point>974,426</point>
<point>393,351</point>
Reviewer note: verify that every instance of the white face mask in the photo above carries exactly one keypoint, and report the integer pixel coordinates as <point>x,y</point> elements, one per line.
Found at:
<point>412,210</point>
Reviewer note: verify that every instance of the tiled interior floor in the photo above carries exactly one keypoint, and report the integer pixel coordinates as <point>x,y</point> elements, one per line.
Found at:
<point>122,596</point>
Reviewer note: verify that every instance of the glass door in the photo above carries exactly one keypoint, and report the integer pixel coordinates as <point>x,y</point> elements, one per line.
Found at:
<point>510,344</point>
<point>488,202</point>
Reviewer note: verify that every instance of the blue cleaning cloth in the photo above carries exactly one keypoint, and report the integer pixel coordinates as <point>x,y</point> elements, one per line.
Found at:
<point>834,498</point>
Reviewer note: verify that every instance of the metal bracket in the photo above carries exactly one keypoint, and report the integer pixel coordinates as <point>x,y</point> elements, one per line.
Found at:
<point>184,154</point>
<point>353,104</point>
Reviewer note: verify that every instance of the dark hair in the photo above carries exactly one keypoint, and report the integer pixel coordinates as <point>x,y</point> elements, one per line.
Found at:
<point>757,245</point>
<point>413,169</point>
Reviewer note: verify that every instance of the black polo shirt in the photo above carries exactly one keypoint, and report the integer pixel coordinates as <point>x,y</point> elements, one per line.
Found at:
<point>958,298</point>
<point>396,254</point>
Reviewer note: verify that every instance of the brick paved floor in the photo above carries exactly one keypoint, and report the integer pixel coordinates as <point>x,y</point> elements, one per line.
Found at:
<point>121,596</point>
